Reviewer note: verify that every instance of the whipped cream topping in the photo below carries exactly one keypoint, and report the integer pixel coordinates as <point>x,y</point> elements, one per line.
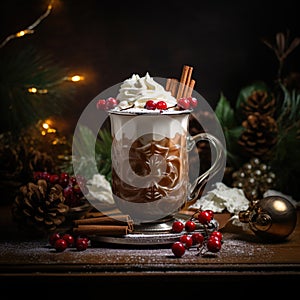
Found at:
<point>136,91</point>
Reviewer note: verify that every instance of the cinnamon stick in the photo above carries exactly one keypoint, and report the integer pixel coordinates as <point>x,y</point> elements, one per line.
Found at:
<point>168,84</point>
<point>183,79</point>
<point>187,83</point>
<point>97,214</point>
<point>105,220</point>
<point>174,85</point>
<point>107,230</point>
<point>190,88</point>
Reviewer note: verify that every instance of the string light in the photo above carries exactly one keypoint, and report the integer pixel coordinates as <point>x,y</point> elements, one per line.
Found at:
<point>34,90</point>
<point>46,127</point>
<point>75,78</point>
<point>29,29</point>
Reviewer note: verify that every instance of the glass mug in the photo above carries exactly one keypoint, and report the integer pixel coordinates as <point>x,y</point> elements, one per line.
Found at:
<point>150,165</point>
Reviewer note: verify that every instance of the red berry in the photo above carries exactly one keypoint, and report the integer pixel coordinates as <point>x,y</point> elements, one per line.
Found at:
<point>60,245</point>
<point>204,217</point>
<point>190,225</point>
<point>178,249</point>
<point>217,234</point>
<point>197,238</point>
<point>183,103</point>
<point>81,244</point>
<point>101,104</point>
<point>54,178</point>
<point>111,103</point>
<point>186,240</point>
<point>214,245</point>
<point>69,239</point>
<point>73,180</point>
<point>161,105</point>
<point>210,212</point>
<point>54,237</point>
<point>177,226</point>
<point>193,101</point>
<point>150,104</point>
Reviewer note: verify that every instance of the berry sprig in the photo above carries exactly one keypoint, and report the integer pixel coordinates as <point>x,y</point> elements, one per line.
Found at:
<point>74,188</point>
<point>191,238</point>
<point>106,104</point>
<point>61,241</point>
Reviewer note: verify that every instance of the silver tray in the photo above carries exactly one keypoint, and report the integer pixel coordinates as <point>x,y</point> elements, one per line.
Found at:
<point>151,234</point>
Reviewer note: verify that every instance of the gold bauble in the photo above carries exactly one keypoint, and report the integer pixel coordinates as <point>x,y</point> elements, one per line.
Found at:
<point>272,218</point>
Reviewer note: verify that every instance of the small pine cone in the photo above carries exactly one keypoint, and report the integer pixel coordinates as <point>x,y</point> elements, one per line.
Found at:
<point>40,206</point>
<point>261,102</point>
<point>40,161</point>
<point>259,136</point>
<point>254,178</point>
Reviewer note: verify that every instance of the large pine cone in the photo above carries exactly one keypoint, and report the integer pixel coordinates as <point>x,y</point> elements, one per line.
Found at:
<point>40,206</point>
<point>261,102</point>
<point>259,136</point>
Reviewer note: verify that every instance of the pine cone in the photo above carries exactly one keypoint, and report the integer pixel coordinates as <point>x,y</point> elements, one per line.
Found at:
<point>40,161</point>
<point>259,136</point>
<point>254,178</point>
<point>261,102</point>
<point>40,206</point>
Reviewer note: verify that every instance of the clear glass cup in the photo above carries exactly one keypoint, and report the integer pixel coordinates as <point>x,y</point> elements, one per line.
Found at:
<point>150,163</point>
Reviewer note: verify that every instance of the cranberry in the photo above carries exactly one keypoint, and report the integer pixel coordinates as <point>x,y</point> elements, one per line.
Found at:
<point>54,237</point>
<point>60,245</point>
<point>197,238</point>
<point>81,244</point>
<point>190,225</point>
<point>101,104</point>
<point>69,239</point>
<point>186,240</point>
<point>111,103</point>
<point>54,178</point>
<point>177,226</point>
<point>217,234</point>
<point>193,101</point>
<point>183,103</point>
<point>204,217</point>
<point>214,245</point>
<point>178,249</point>
<point>150,104</point>
<point>161,105</point>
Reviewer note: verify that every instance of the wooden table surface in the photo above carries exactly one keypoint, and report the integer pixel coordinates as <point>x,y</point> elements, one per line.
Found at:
<point>244,260</point>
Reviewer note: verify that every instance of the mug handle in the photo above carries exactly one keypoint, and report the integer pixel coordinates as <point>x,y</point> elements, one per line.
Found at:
<point>196,187</point>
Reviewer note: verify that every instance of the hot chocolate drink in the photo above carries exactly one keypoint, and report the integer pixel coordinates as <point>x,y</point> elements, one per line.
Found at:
<point>150,169</point>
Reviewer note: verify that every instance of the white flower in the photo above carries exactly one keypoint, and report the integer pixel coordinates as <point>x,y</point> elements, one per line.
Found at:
<point>223,198</point>
<point>100,190</point>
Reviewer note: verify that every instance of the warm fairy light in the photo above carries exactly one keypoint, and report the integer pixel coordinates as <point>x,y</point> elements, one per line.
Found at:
<point>29,29</point>
<point>75,78</point>
<point>45,125</point>
<point>34,90</point>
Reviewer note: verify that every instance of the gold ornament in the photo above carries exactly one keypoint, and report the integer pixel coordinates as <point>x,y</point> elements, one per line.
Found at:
<point>272,218</point>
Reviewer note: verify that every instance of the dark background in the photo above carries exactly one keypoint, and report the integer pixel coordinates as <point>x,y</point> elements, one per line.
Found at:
<point>108,41</point>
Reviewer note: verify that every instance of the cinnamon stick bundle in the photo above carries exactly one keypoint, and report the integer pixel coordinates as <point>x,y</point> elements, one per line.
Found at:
<point>102,224</point>
<point>183,88</point>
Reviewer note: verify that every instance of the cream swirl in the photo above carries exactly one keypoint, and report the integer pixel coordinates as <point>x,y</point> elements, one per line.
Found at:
<point>138,90</point>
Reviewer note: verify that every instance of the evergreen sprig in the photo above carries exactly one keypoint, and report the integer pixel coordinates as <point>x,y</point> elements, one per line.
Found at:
<point>21,69</point>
